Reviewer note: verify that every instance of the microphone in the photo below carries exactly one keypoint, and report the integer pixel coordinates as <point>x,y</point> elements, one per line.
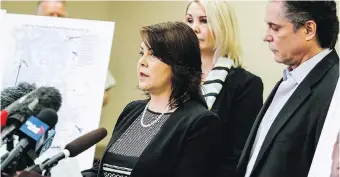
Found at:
<point>3,117</point>
<point>30,104</point>
<point>11,94</point>
<point>46,143</point>
<point>29,174</point>
<point>72,149</point>
<point>15,120</point>
<point>32,131</point>
<point>48,97</point>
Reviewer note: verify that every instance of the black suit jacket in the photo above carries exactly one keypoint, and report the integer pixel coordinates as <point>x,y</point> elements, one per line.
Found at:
<point>189,144</point>
<point>238,104</point>
<point>289,146</point>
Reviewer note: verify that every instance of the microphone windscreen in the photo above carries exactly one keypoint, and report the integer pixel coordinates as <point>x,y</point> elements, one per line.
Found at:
<point>48,97</point>
<point>49,117</point>
<point>84,142</point>
<point>11,94</point>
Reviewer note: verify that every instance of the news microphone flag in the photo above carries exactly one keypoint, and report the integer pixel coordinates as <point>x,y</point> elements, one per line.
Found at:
<point>34,128</point>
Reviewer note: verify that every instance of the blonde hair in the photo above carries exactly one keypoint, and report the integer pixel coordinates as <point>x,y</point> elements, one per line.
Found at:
<point>223,29</point>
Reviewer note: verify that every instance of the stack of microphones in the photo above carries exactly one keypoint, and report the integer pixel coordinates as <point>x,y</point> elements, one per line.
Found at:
<point>28,119</point>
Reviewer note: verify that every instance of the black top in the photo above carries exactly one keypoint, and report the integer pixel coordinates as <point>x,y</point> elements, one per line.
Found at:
<point>118,165</point>
<point>238,104</point>
<point>190,143</point>
<point>124,153</point>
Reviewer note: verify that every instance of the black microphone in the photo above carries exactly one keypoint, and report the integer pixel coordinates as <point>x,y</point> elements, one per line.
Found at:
<point>48,97</point>
<point>72,149</point>
<point>30,104</point>
<point>11,94</point>
<point>15,121</point>
<point>30,133</point>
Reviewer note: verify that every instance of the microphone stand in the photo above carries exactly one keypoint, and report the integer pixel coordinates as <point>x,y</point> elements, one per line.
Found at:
<point>47,172</point>
<point>11,169</point>
<point>43,170</point>
<point>18,162</point>
<point>49,167</point>
<point>10,143</point>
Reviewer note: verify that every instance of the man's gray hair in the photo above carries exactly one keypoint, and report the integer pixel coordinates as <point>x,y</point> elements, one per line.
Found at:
<point>37,9</point>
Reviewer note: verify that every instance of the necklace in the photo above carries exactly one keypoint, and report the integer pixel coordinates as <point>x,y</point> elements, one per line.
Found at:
<point>148,125</point>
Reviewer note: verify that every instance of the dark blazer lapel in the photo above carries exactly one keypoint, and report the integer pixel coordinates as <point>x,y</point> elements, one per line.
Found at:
<point>290,107</point>
<point>220,97</point>
<point>121,128</point>
<point>264,109</point>
<point>297,98</point>
<point>249,143</point>
<point>152,150</point>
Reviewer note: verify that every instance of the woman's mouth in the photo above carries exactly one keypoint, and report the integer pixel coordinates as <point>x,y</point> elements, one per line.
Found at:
<point>141,74</point>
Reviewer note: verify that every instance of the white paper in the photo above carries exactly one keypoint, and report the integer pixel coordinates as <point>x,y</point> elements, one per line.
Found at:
<point>71,55</point>
<point>2,47</point>
<point>2,13</point>
<point>322,161</point>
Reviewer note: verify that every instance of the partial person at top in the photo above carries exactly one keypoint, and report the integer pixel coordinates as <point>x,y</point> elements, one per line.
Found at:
<point>51,8</point>
<point>58,9</point>
<point>232,92</point>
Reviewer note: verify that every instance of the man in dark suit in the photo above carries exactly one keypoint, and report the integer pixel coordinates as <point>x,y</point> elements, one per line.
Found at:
<point>282,142</point>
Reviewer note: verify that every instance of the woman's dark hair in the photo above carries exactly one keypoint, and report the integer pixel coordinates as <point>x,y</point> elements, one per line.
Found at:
<point>177,45</point>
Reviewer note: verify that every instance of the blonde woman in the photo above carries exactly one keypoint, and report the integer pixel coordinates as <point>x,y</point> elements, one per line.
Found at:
<point>229,90</point>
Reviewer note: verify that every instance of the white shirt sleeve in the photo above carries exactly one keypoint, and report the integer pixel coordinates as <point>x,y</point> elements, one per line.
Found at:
<point>110,80</point>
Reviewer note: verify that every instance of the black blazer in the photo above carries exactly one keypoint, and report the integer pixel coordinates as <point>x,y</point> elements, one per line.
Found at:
<point>289,146</point>
<point>238,104</point>
<point>189,144</point>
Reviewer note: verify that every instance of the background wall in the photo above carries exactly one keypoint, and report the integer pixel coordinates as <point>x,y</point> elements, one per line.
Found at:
<point>130,16</point>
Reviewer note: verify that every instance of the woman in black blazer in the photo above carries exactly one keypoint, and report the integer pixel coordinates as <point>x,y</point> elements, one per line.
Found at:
<point>230,91</point>
<point>171,134</point>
